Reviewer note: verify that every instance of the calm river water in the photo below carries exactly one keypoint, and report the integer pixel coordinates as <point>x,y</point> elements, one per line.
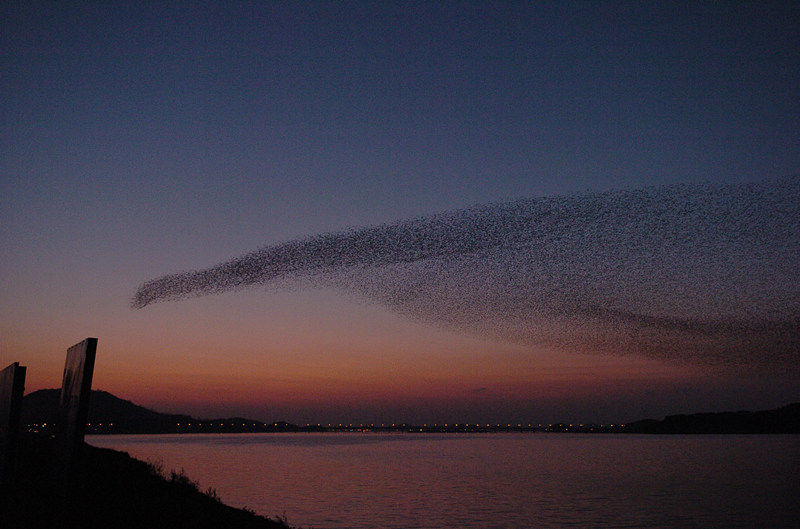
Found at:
<point>431,481</point>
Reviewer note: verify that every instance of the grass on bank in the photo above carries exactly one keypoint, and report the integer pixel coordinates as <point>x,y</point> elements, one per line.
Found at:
<point>114,490</point>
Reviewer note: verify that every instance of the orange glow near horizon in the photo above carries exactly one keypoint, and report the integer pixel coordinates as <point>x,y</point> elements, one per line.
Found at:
<point>314,362</point>
<point>401,238</point>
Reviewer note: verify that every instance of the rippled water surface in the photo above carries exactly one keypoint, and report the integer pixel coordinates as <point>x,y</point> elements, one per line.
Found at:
<point>407,481</point>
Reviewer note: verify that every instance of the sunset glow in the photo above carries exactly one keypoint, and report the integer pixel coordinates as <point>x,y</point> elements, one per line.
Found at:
<point>409,212</point>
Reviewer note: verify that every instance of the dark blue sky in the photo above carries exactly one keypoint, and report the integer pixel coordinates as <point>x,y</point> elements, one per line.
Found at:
<point>138,139</point>
<point>408,99</point>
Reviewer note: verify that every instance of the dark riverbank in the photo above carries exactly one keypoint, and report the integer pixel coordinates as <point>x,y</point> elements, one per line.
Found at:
<point>114,491</point>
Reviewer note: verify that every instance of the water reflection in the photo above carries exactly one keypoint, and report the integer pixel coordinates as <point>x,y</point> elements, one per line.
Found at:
<point>364,481</point>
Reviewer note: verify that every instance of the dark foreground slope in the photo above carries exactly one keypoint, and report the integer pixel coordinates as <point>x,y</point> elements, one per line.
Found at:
<point>114,491</point>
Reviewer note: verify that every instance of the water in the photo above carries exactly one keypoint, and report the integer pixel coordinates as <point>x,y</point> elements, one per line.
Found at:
<point>416,481</point>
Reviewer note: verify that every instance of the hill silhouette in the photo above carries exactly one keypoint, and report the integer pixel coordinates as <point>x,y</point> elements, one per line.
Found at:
<point>109,414</point>
<point>115,414</point>
<point>781,420</point>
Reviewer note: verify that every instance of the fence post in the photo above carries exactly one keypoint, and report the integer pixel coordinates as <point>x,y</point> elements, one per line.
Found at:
<point>73,409</point>
<point>12,387</point>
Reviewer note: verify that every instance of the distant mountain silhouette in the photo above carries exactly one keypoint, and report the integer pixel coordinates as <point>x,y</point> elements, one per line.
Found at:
<point>111,415</point>
<point>781,420</point>
<point>41,408</point>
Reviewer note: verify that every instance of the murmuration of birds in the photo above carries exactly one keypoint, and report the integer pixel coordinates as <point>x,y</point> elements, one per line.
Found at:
<point>688,272</point>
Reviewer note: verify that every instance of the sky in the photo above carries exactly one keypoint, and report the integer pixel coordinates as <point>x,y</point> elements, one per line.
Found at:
<point>145,142</point>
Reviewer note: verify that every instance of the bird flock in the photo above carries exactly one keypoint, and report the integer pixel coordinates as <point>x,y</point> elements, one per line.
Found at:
<point>690,272</point>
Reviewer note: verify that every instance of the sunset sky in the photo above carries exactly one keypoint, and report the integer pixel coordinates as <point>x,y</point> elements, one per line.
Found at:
<point>144,139</point>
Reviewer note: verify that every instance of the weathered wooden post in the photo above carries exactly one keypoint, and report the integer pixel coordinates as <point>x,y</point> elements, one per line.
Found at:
<point>12,387</point>
<point>73,409</point>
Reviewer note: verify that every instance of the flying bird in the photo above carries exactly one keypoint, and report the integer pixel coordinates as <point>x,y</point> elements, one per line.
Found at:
<point>704,273</point>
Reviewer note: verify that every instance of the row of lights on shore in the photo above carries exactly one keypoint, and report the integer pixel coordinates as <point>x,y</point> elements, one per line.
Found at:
<point>459,425</point>
<point>383,425</point>
<point>404,425</point>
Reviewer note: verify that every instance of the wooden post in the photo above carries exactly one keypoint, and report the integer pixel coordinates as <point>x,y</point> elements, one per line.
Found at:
<point>12,387</point>
<point>73,409</point>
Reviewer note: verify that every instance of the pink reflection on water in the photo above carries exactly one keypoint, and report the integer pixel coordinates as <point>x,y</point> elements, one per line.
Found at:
<point>492,480</point>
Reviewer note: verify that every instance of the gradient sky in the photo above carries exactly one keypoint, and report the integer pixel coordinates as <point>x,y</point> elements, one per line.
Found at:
<point>148,139</point>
